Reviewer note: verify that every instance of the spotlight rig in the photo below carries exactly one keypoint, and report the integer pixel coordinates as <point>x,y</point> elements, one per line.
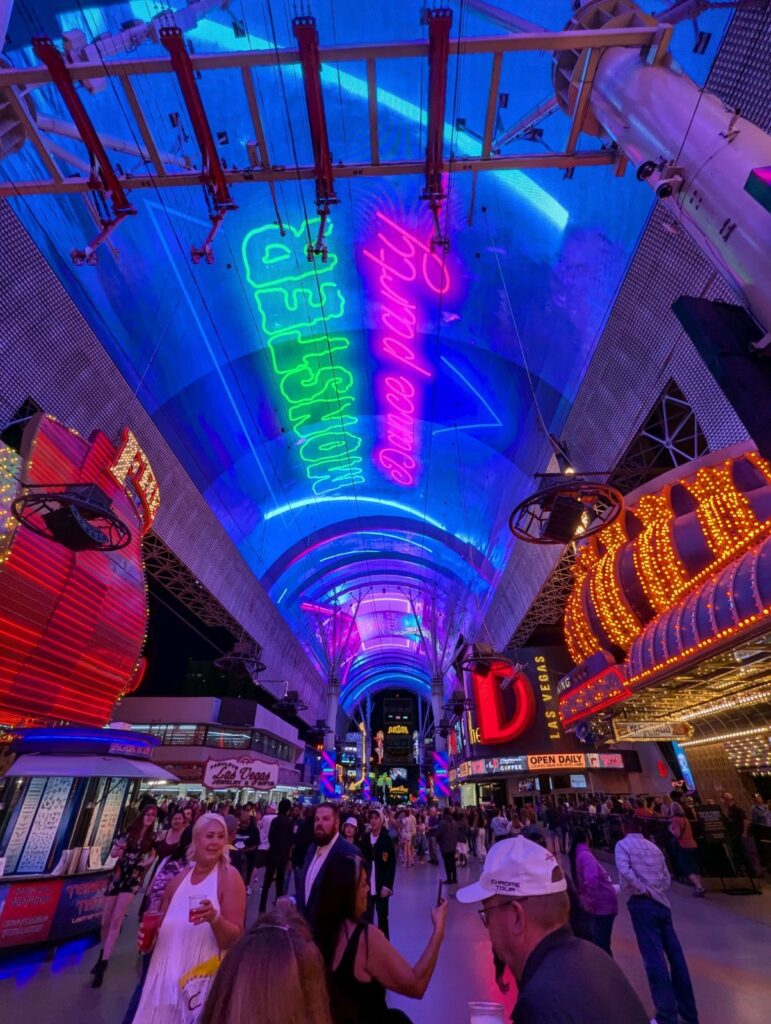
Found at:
<point>79,516</point>
<point>243,659</point>
<point>290,704</point>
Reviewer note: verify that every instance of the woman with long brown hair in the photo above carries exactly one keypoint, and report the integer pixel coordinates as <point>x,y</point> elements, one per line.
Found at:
<point>273,975</point>
<point>135,850</point>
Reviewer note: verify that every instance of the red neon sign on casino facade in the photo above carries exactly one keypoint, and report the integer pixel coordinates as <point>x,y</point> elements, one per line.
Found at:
<point>496,723</point>
<point>410,277</point>
<point>72,623</point>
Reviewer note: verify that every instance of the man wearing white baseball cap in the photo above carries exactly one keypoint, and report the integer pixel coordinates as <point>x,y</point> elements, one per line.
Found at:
<point>562,979</point>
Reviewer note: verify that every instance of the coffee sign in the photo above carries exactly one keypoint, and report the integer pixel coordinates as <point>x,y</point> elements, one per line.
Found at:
<point>240,773</point>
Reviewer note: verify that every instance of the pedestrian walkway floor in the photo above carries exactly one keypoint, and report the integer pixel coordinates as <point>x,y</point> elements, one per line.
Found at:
<point>727,942</point>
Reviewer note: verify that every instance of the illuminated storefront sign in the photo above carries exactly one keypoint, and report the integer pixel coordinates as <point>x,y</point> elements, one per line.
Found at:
<point>132,469</point>
<point>297,314</point>
<point>642,732</point>
<point>405,276</point>
<point>550,714</point>
<point>544,763</point>
<point>497,724</point>
<point>554,762</point>
<point>605,760</point>
<point>505,764</point>
<point>685,768</point>
<point>241,773</point>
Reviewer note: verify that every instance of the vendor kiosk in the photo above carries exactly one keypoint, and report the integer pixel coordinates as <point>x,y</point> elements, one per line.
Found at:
<point>64,795</point>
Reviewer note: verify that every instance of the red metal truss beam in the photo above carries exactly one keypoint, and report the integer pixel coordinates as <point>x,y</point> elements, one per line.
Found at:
<point>439,24</point>
<point>212,174</point>
<point>251,175</point>
<point>307,36</point>
<point>103,179</point>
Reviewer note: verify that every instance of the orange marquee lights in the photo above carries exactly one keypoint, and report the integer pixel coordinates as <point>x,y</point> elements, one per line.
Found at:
<point>709,514</point>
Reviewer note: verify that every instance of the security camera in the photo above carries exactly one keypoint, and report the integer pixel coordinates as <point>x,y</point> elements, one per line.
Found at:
<point>669,186</point>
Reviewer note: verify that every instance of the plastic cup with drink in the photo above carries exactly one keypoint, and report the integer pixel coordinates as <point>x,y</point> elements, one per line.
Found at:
<point>486,1013</point>
<point>151,921</point>
<point>196,904</point>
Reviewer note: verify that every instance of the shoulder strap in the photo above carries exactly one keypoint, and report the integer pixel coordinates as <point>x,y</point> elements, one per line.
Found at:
<point>348,959</point>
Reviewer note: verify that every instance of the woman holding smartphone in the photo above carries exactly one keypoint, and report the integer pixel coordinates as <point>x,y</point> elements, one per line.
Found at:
<point>202,915</point>
<point>362,965</point>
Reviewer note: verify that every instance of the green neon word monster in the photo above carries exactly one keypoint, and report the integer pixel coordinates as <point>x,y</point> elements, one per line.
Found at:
<point>294,310</point>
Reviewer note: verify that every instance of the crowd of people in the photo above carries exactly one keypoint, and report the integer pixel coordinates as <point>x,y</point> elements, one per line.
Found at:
<point>331,869</point>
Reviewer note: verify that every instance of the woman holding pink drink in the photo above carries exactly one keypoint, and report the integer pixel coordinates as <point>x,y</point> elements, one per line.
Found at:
<point>201,916</point>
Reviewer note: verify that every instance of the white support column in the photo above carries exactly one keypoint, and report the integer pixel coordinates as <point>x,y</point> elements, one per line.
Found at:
<point>437,699</point>
<point>333,701</point>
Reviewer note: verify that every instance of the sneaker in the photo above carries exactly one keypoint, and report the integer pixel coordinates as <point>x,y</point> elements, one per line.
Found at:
<point>699,892</point>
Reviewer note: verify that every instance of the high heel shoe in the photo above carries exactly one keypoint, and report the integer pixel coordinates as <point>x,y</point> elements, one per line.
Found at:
<point>101,967</point>
<point>95,968</point>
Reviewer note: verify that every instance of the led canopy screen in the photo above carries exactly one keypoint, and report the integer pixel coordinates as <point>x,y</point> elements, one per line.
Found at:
<point>362,426</point>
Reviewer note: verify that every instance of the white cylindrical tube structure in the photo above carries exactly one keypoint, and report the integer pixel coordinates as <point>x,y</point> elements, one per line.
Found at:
<point>660,118</point>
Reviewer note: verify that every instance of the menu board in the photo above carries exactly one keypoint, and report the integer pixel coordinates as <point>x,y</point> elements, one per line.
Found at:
<point>23,824</point>
<point>45,826</point>
<point>712,822</point>
<point>108,821</point>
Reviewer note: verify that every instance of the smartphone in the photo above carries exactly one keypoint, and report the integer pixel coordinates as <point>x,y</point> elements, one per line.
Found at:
<point>439,892</point>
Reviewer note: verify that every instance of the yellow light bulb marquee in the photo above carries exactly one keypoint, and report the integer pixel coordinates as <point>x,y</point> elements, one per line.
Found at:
<point>728,525</point>
<point>607,597</point>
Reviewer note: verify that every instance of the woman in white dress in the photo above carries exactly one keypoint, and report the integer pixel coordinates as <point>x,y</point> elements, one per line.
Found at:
<point>203,915</point>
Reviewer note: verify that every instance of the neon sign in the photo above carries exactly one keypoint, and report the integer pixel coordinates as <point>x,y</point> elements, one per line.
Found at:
<point>295,313</point>
<point>494,724</point>
<point>328,777</point>
<point>441,781</point>
<point>132,469</point>
<point>72,624</point>
<point>406,269</point>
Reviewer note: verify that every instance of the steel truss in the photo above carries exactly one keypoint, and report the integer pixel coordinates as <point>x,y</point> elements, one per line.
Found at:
<point>108,184</point>
<point>173,575</point>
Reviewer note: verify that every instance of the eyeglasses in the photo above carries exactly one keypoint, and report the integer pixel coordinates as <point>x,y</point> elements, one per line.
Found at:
<point>484,912</point>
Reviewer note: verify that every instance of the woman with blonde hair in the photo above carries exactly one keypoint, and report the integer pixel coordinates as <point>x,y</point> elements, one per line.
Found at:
<point>273,975</point>
<point>202,915</point>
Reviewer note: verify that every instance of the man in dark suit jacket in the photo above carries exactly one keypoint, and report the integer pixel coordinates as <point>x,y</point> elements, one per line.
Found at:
<point>380,858</point>
<point>327,845</point>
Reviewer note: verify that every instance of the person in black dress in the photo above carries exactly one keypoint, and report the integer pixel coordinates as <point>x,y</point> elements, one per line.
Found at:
<point>362,965</point>
<point>135,852</point>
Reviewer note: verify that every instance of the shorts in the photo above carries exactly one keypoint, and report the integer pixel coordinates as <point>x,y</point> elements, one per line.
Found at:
<point>687,862</point>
